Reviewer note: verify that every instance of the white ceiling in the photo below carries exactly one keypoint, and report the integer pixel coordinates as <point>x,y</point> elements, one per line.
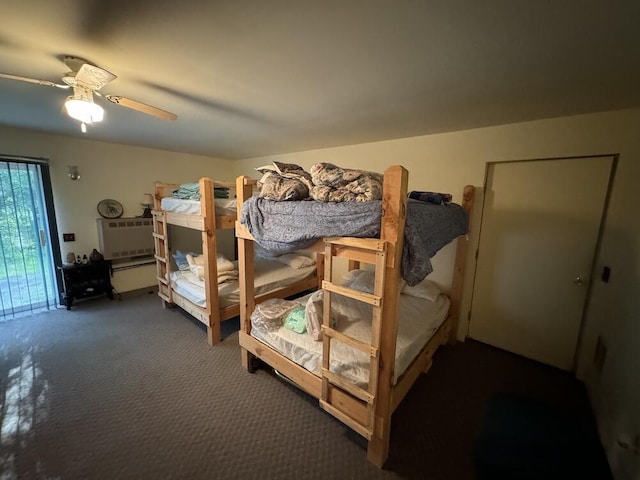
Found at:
<point>250,77</point>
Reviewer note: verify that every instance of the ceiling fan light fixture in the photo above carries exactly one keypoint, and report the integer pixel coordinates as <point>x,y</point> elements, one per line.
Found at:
<point>83,110</point>
<point>80,106</point>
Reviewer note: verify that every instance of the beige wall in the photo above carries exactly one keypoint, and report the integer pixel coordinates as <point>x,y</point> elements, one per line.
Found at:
<point>447,162</point>
<point>107,170</point>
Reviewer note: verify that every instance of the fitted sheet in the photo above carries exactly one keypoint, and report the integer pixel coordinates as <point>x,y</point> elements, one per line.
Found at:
<point>418,321</point>
<point>270,275</point>
<point>224,206</point>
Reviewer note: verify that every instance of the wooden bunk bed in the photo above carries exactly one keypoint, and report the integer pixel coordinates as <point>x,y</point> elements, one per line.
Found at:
<point>206,219</point>
<point>366,410</point>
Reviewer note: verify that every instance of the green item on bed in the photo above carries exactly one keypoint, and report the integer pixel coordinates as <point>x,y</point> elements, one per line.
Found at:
<point>295,320</point>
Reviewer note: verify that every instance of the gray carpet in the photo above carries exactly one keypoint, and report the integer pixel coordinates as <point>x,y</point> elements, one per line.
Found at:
<point>126,389</point>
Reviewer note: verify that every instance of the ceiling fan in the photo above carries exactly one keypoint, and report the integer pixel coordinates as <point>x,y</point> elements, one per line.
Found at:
<point>86,80</point>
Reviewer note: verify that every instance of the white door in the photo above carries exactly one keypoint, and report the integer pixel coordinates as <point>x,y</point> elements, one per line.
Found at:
<point>539,232</point>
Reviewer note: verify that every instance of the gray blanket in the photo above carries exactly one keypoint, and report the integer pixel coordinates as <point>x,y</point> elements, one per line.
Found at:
<point>429,227</point>
<point>283,227</point>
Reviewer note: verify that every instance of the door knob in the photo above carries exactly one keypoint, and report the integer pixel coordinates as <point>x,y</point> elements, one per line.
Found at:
<point>578,281</point>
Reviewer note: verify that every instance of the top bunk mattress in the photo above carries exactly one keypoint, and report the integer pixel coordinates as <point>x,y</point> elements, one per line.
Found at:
<point>418,321</point>
<point>224,206</point>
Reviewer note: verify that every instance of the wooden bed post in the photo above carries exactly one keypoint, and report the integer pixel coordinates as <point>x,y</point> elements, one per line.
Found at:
<point>210,254</point>
<point>246,267</point>
<point>457,284</point>
<point>394,214</point>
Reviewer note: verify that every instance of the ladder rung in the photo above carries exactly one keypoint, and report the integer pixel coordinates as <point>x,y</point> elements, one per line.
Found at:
<point>352,342</point>
<point>164,297</point>
<point>374,300</point>
<point>374,244</point>
<point>159,236</point>
<point>160,259</point>
<point>347,420</point>
<point>162,280</point>
<point>347,386</point>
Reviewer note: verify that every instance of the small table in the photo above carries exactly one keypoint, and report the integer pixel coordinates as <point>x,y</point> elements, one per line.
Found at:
<point>86,280</point>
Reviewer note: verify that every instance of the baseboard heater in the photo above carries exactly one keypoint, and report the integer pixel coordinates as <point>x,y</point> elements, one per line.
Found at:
<point>126,241</point>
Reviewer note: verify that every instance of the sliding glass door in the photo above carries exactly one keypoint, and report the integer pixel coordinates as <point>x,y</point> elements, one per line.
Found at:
<point>27,267</point>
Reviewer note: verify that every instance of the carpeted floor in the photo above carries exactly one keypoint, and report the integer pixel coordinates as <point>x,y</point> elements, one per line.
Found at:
<point>125,389</point>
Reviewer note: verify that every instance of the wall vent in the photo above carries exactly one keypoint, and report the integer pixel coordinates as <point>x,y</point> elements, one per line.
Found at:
<point>125,238</point>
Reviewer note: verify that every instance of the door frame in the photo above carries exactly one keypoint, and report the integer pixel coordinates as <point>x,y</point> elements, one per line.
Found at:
<point>596,254</point>
<point>47,189</point>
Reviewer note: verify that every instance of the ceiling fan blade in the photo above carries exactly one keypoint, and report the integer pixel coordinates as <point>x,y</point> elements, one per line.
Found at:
<point>141,107</point>
<point>46,83</point>
<point>94,77</point>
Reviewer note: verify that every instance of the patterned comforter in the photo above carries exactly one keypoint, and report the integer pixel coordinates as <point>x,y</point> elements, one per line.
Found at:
<point>324,183</point>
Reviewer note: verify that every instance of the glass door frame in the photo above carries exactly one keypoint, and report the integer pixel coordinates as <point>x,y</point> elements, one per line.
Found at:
<point>47,190</point>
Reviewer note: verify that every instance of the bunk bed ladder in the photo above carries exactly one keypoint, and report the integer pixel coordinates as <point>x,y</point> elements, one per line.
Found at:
<point>371,251</point>
<point>162,255</point>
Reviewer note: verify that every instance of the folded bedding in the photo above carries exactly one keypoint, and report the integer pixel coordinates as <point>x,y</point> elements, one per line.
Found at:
<point>188,191</point>
<point>228,276</point>
<point>226,269</point>
<point>191,191</point>
<point>431,197</point>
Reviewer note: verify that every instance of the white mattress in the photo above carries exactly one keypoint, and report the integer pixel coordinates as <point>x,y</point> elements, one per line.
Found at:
<point>224,206</point>
<point>418,321</point>
<point>269,275</point>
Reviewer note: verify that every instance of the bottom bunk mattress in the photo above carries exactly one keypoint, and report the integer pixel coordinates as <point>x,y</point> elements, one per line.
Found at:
<point>270,275</point>
<point>418,321</point>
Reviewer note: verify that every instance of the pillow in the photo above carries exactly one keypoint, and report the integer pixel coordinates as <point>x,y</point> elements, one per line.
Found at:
<point>425,289</point>
<point>349,277</point>
<point>295,261</point>
<point>223,264</point>
<point>364,281</point>
<point>196,264</point>
<point>194,259</point>
<point>181,260</point>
